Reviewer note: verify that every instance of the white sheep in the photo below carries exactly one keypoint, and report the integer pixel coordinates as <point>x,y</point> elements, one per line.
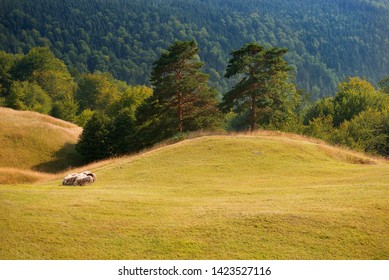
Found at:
<point>79,179</point>
<point>93,175</point>
<point>72,179</point>
<point>66,180</point>
<point>84,180</point>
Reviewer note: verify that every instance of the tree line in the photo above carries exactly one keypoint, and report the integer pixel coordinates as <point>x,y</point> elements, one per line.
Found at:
<point>120,119</point>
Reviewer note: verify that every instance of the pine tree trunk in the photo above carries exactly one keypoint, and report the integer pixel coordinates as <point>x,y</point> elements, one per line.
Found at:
<point>180,118</point>
<point>253,116</point>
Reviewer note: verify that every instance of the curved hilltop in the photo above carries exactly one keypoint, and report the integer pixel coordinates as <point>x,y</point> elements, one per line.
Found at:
<point>264,196</point>
<point>242,161</point>
<point>35,142</point>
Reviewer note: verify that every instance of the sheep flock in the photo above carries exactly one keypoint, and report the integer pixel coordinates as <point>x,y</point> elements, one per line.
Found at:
<point>79,179</point>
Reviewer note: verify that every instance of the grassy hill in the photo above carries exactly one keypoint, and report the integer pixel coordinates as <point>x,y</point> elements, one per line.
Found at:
<point>262,196</point>
<point>32,141</point>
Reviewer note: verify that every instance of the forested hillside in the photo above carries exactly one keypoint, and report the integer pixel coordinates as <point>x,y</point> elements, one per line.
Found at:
<point>327,40</point>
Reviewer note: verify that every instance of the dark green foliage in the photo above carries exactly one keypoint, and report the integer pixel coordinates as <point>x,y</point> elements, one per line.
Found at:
<point>384,85</point>
<point>154,122</point>
<point>353,97</point>
<point>6,63</point>
<point>37,81</point>
<point>262,73</point>
<point>323,108</point>
<point>97,92</point>
<point>325,39</point>
<point>105,136</point>
<point>65,109</point>
<point>122,133</point>
<point>38,59</point>
<point>176,78</point>
<point>95,143</point>
<point>182,100</point>
<point>111,128</point>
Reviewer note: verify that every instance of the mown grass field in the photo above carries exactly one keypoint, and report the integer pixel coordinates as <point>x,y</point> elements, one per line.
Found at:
<point>218,197</point>
<point>31,141</point>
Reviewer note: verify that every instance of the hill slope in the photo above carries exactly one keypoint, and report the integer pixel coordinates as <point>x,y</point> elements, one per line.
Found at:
<point>33,141</point>
<point>219,197</point>
<point>327,40</point>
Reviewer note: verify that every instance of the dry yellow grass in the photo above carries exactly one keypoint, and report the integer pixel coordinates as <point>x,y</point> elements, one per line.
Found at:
<point>33,141</point>
<point>11,176</point>
<point>262,196</point>
<point>34,117</point>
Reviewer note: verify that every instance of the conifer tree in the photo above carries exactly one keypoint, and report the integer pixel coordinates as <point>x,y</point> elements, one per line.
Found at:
<point>181,100</point>
<point>261,72</point>
<point>180,85</point>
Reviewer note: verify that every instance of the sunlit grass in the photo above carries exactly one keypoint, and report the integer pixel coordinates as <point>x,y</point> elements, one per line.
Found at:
<point>263,196</point>
<point>33,141</point>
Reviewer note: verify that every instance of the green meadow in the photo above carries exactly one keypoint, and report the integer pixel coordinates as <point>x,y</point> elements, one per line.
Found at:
<point>260,196</point>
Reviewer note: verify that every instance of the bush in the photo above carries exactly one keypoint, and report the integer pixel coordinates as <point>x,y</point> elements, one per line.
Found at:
<point>94,143</point>
<point>368,132</point>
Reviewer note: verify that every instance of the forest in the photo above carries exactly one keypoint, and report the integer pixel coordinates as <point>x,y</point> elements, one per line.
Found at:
<point>119,118</point>
<point>135,73</point>
<point>327,41</point>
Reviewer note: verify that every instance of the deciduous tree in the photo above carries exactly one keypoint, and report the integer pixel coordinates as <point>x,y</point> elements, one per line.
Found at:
<point>94,142</point>
<point>97,92</point>
<point>353,97</point>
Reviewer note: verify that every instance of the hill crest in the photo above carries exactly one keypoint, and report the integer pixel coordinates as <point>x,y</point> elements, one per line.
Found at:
<point>36,159</point>
<point>278,146</point>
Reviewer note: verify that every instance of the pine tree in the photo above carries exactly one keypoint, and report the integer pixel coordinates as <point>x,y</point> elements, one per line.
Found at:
<point>261,72</point>
<point>180,85</point>
<point>181,99</point>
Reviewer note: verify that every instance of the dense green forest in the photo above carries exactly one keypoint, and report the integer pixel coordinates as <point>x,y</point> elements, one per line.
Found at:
<point>327,40</point>
<point>120,119</point>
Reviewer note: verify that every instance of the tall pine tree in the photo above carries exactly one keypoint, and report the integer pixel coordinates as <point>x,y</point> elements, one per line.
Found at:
<point>179,82</point>
<point>261,72</point>
<point>181,100</point>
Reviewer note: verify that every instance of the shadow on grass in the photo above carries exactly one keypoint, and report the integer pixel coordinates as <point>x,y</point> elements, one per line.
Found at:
<point>64,159</point>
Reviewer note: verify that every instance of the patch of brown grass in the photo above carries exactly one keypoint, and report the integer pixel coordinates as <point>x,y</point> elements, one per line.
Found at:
<point>10,176</point>
<point>34,141</point>
<point>35,117</point>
